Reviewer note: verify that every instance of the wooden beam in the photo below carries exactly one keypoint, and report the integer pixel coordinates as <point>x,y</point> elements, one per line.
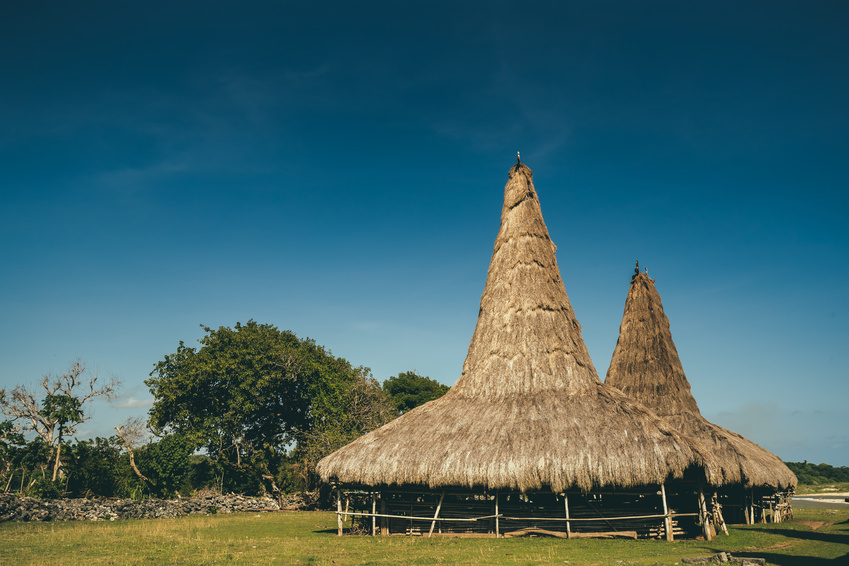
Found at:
<point>373,513</point>
<point>717,513</point>
<point>751,519</point>
<point>667,521</point>
<point>568,523</point>
<point>436,515</point>
<point>703,515</point>
<point>512,518</point>
<point>339,511</point>
<point>616,534</point>
<point>559,534</point>
<point>497,526</point>
<point>384,520</point>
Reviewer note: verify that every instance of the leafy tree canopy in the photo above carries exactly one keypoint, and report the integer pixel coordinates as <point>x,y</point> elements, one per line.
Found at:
<point>251,392</point>
<point>808,473</point>
<point>166,463</point>
<point>408,390</point>
<point>93,467</point>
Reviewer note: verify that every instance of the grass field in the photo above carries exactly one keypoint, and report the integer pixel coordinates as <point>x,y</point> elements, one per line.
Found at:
<point>817,537</point>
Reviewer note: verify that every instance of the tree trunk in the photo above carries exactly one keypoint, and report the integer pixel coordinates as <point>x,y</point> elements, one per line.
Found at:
<point>58,453</point>
<point>131,455</point>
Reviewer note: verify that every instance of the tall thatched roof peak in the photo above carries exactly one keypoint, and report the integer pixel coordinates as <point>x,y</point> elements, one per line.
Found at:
<point>527,339</point>
<point>528,411</point>
<point>646,366</point>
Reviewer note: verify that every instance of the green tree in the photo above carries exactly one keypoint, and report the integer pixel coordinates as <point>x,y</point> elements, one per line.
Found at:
<point>808,473</point>
<point>239,389</point>
<point>251,393</point>
<point>166,463</point>
<point>361,408</point>
<point>408,390</point>
<point>11,448</point>
<point>60,407</point>
<point>33,461</point>
<point>93,467</point>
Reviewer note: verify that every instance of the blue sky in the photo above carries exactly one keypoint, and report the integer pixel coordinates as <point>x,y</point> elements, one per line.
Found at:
<point>336,169</point>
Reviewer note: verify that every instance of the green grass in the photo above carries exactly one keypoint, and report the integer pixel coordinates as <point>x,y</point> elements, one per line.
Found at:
<point>309,538</point>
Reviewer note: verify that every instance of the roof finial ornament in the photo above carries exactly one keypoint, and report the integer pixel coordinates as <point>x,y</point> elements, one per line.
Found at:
<point>637,269</point>
<point>518,158</point>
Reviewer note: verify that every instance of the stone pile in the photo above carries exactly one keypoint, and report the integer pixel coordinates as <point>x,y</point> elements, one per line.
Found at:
<point>723,558</point>
<point>13,508</point>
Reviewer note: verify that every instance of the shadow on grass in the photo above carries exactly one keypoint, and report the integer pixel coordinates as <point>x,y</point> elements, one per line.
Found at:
<point>841,537</point>
<point>832,538</point>
<point>785,560</point>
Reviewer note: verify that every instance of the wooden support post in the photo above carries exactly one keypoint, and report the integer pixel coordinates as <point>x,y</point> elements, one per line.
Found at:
<point>373,512</point>
<point>384,521</point>
<point>703,515</point>
<point>568,524</point>
<point>752,507</point>
<point>339,511</point>
<point>436,515</point>
<point>497,526</point>
<point>667,521</point>
<point>782,507</point>
<point>717,513</point>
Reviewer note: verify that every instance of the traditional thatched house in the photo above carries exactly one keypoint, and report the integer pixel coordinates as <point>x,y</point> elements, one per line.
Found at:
<point>528,437</point>
<point>751,481</point>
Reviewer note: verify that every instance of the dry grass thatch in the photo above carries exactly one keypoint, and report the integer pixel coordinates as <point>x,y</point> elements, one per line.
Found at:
<point>529,411</point>
<point>646,366</point>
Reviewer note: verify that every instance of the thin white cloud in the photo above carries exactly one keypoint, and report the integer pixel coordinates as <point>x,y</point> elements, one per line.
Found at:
<point>140,176</point>
<point>133,403</point>
<point>367,325</point>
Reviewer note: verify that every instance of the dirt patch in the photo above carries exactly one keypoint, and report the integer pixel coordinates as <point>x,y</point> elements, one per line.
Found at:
<point>780,545</point>
<point>813,524</point>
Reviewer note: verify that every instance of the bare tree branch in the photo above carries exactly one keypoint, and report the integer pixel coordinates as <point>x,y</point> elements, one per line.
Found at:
<point>24,407</point>
<point>131,434</point>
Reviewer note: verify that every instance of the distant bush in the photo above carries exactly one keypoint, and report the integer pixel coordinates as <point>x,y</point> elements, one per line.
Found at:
<point>166,463</point>
<point>93,467</point>
<point>408,390</point>
<point>811,474</point>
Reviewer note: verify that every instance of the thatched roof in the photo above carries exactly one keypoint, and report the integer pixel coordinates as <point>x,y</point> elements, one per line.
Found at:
<point>529,411</point>
<point>646,366</point>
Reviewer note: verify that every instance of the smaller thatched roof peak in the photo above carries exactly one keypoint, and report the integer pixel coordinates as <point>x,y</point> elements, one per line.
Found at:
<point>645,363</point>
<point>646,366</point>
